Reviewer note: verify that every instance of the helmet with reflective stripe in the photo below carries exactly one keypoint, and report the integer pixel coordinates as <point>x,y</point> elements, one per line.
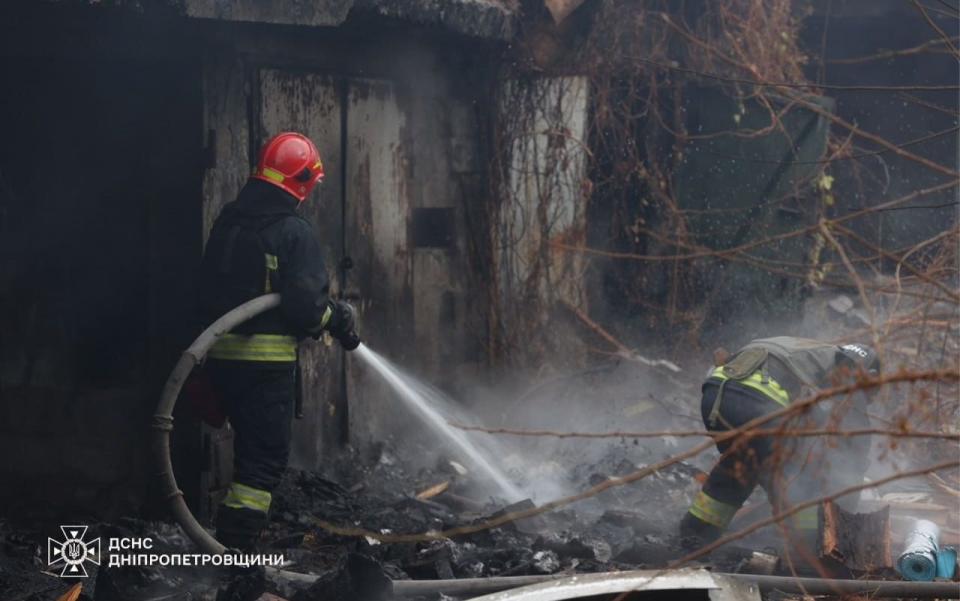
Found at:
<point>290,161</point>
<point>862,357</point>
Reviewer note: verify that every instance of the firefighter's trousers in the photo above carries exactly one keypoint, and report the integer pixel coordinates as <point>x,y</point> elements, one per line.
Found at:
<point>259,401</point>
<point>775,463</point>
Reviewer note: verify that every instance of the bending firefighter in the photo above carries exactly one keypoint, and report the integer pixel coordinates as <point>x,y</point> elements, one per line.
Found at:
<point>765,376</point>
<point>259,244</point>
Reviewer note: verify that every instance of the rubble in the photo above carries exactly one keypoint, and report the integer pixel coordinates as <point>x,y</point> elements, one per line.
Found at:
<point>596,535</point>
<point>627,528</point>
<point>355,576</point>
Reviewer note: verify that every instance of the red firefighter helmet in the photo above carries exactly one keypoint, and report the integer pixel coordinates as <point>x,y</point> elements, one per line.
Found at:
<point>290,161</point>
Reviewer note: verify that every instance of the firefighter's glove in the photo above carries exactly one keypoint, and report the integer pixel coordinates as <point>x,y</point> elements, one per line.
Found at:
<point>342,324</point>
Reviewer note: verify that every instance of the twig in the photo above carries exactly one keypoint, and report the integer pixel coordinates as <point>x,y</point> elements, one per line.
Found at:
<point>801,85</point>
<point>621,348</point>
<point>932,165</point>
<point>757,243</point>
<point>864,298</point>
<point>943,35</point>
<point>887,54</point>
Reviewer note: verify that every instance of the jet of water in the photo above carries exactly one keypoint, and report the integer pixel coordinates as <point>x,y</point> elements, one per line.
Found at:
<point>407,388</point>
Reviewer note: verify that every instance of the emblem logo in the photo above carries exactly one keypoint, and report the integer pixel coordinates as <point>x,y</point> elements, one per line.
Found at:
<point>854,348</point>
<point>73,551</point>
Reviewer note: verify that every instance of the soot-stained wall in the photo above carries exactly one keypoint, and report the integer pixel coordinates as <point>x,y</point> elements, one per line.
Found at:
<point>128,133</point>
<point>100,229</point>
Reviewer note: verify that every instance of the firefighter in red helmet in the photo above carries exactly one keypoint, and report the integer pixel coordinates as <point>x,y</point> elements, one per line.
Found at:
<point>259,244</point>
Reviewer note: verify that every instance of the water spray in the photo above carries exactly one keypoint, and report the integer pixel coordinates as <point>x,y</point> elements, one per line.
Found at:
<point>407,388</point>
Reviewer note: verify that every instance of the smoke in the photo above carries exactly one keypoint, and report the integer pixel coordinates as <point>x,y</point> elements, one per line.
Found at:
<point>613,396</point>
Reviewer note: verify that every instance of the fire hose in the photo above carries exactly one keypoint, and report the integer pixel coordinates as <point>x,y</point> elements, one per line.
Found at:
<point>162,422</point>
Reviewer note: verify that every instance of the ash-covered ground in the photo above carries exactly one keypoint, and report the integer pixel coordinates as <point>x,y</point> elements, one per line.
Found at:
<point>593,535</point>
<point>411,483</point>
<point>627,527</point>
<point>621,529</point>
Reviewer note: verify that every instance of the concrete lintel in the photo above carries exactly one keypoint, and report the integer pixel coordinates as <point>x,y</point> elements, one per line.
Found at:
<point>314,13</point>
<point>479,18</point>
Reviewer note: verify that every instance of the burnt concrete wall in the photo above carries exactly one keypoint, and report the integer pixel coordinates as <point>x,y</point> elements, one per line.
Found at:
<point>149,143</point>
<point>100,219</point>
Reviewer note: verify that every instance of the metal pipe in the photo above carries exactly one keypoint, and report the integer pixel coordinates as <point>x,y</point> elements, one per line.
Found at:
<point>162,422</point>
<point>786,584</point>
<point>464,586</point>
<point>873,588</point>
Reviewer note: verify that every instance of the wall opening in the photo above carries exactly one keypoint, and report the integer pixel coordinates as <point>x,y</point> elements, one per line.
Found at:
<point>100,229</point>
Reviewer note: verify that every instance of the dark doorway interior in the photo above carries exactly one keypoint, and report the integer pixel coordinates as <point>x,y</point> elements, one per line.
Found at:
<point>100,233</point>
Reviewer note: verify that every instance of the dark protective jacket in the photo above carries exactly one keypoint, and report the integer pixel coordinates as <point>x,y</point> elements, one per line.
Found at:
<point>763,375</point>
<point>782,368</point>
<point>259,244</point>
<point>787,368</point>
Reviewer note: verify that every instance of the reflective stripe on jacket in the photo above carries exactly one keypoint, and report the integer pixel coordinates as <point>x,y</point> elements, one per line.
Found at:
<point>759,382</point>
<point>255,347</point>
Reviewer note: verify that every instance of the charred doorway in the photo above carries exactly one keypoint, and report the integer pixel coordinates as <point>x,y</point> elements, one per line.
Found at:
<point>361,212</point>
<point>100,228</point>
